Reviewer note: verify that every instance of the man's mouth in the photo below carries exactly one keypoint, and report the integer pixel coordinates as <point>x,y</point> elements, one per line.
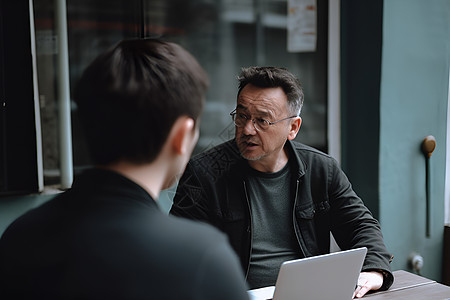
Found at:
<point>249,144</point>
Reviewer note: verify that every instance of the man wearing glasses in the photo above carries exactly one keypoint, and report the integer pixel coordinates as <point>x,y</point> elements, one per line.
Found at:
<point>277,199</point>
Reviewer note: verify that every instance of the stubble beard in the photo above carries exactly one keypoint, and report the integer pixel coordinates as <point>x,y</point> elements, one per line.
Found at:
<point>241,144</point>
<point>252,158</point>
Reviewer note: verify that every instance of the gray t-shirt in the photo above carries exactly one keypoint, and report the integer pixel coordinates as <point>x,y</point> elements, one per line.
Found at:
<point>273,240</point>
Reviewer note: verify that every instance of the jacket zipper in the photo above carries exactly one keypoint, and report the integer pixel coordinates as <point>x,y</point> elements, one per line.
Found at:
<point>249,230</point>
<point>296,230</point>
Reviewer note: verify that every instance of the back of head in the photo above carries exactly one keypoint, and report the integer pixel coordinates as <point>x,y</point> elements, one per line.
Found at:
<point>269,77</point>
<point>130,96</point>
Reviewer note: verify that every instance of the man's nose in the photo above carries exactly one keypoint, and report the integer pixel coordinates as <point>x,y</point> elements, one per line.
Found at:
<point>249,128</point>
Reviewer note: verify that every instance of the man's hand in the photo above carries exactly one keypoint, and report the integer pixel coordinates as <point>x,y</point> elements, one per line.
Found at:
<point>368,281</point>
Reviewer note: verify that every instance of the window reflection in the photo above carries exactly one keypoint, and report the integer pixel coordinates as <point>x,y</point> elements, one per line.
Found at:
<point>223,35</point>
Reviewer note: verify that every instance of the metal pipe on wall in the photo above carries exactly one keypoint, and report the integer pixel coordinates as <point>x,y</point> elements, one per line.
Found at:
<point>334,84</point>
<point>37,113</point>
<point>63,92</point>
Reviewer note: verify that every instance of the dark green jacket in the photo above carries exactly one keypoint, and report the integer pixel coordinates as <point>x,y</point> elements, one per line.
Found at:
<point>213,189</point>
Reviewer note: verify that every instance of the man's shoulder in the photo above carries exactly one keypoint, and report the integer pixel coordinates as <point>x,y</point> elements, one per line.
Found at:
<point>312,160</point>
<point>197,233</point>
<point>185,243</point>
<point>300,147</point>
<point>217,160</point>
<point>308,152</point>
<point>30,219</point>
<point>198,253</point>
<point>226,150</point>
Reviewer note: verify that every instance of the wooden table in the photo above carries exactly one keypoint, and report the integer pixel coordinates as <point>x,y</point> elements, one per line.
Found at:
<point>411,286</point>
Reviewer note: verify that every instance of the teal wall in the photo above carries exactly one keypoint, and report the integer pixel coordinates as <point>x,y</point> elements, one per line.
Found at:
<point>413,104</point>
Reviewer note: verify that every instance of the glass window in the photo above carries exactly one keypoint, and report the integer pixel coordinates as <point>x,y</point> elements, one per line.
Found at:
<point>223,35</point>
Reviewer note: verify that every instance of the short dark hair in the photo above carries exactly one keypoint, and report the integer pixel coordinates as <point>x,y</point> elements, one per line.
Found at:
<point>130,96</point>
<point>274,77</point>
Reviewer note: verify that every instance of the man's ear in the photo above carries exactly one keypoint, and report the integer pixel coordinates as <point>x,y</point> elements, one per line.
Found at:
<point>183,134</point>
<point>295,127</point>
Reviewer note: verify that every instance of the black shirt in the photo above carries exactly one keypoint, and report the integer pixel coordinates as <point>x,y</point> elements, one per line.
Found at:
<point>107,239</point>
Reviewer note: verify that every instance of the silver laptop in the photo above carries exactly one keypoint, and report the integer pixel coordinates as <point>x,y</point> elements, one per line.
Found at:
<point>325,277</point>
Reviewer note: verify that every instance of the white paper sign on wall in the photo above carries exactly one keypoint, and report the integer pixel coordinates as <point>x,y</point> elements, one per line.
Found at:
<point>302,26</point>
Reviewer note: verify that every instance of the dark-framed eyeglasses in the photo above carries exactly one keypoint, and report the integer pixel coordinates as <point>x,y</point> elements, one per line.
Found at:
<point>260,124</point>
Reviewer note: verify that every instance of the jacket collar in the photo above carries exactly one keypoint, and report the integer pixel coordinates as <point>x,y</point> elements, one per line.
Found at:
<point>295,159</point>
